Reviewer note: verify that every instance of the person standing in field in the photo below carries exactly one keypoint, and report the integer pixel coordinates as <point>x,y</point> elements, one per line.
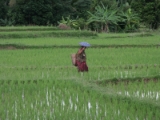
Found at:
<point>80,58</point>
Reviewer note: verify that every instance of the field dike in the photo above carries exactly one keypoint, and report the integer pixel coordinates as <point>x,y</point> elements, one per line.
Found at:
<point>17,46</point>
<point>126,81</point>
<point>48,33</point>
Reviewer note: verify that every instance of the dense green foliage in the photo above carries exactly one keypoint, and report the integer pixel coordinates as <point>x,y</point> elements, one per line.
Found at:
<point>50,12</point>
<point>149,12</point>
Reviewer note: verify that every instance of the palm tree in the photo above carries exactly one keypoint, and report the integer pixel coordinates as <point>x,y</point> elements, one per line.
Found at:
<point>104,16</point>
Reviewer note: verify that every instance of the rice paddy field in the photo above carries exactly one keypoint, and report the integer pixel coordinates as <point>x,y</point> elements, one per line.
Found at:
<point>39,82</point>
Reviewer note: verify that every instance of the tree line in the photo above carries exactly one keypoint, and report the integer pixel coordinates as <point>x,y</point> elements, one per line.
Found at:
<point>99,15</point>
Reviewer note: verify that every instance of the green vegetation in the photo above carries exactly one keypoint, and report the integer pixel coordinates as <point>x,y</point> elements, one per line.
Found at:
<point>36,32</point>
<point>38,81</point>
<point>96,15</point>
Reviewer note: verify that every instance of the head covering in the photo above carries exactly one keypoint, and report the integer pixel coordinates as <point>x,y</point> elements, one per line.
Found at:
<point>85,44</point>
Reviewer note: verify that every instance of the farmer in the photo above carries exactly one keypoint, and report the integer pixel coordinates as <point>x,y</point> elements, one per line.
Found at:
<point>81,58</point>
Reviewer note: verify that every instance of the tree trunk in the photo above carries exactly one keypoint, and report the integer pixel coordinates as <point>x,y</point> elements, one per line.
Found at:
<point>106,29</point>
<point>101,27</point>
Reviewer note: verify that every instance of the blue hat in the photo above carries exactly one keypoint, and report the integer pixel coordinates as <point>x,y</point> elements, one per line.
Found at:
<point>85,44</point>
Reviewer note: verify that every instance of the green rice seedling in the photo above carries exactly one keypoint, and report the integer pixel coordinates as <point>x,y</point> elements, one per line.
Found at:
<point>45,85</point>
<point>97,107</point>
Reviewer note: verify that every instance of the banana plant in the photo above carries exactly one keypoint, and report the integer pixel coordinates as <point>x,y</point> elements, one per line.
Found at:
<point>69,22</point>
<point>6,22</point>
<point>130,19</point>
<point>105,16</point>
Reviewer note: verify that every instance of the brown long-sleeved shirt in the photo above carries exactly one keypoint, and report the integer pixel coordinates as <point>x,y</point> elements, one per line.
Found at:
<point>81,56</point>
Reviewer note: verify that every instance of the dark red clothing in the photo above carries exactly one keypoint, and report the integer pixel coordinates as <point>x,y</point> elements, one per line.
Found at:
<point>81,60</point>
<point>82,66</point>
